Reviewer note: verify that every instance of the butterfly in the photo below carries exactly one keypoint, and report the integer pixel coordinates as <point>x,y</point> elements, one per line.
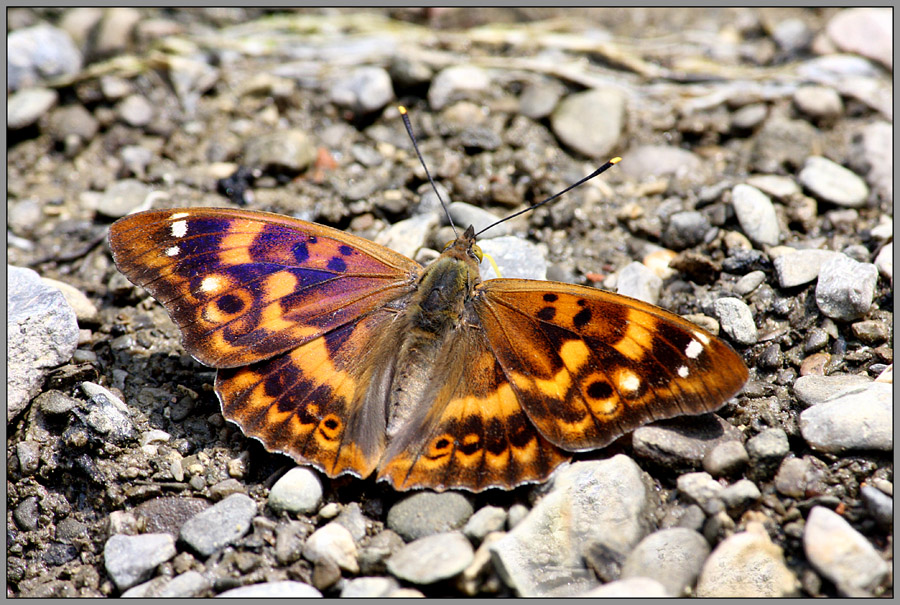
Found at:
<point>355,359</point>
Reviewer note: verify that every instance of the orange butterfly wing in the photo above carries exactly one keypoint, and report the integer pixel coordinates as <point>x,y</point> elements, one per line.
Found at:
<point>469,431</point>
<point>588,366</point>
<point>288,311</point>
<point>244,286</point>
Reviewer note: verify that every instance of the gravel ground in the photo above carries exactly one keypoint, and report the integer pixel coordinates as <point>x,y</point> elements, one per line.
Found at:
<point>755,195</point>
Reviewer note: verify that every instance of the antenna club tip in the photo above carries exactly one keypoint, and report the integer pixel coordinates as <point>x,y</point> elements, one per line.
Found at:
<point>615,160</point>
<point>401,109</point>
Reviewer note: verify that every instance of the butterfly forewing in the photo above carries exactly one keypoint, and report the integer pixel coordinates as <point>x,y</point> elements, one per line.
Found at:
<point>588,366</point>
<point>244,286</point>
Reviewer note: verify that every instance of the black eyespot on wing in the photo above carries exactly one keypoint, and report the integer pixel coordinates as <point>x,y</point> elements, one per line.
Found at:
<point>582,318</point>
<point>550,297</point>
<point>547,313</point>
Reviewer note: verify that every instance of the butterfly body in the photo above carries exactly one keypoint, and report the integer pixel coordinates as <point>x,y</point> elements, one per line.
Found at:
<point>355,359</point>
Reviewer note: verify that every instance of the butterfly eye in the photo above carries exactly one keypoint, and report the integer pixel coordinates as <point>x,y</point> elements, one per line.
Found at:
<point>476,251</point>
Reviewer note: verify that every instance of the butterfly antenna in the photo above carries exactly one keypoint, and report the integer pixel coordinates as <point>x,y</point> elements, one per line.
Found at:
<point>597,172</point>
<point>409,131</point>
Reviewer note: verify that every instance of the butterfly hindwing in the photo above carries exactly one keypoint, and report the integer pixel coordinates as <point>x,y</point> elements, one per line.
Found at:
<point>245,286</point>
<point>323,403</point>
<point>469,430</point>
<point>588,366</point>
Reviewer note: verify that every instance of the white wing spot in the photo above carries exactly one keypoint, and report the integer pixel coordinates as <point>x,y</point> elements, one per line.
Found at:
<point>210,284</point>
<point>179,228</point>
<point>628,381</point>
<point>703,338</point>
<point>683,371</point>
<point>173,251</point>
<point>179,215</point>
<point>693,349</point>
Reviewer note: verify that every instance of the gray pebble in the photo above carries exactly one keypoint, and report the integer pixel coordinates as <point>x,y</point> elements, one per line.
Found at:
<point>791,35</point>
<point>432,558</point>
<point>781,187</point>
<point>353,520</point>
<point>846,288</point>
<point>885,260</point>
<point>864,31</point>
<point>771,445</point>
<point>427,513</point>
<point>879,505</point>
<point>70,530</point>
<point>299,491</point>
<point>55,403</point>
<point>72,122</point>
<point>833,183</point>
<point>108,414</point>
<point>26,514</point>
<point>369,587</point>
<point>486,520</point>
<point>596,501</point>
<point>135,110</point>
<point>23,108</point>
<point>289,541</point>
<point>130,560</point>
<point>85,310</point>
<point>749,116</point>
<point>811,390</point>
<point>747,565</point>
<point>186,585</point>
<point>456,83</point>
<point>409,72</point>
<point>464,214</point>
<point>736,320</point>
<point>800,267</point>
<point>682,442</point>
<point>791,478</point>
<point>374,555</point>
<point>409,235</point>
<point>539,98</point>
<point>332,541</point>
<point>291,149</point>
<point>116,30</point>
<point>673,557</point>
<point>859,420</point>
<point>726,458</point>
<point>876,140</point>
<point>515,257</point>
<point>638,281</point>
<point>39,53</point>
<point>123,197</point>
<point>756,214</point>
<point>364,90</point>
<point>517,512</point>
<point>219,525</point>
<point>590,122</point>
<point>739,496</point>
<point>41,332</point>
<point>749,282</point>
<point>685,229</point>
<point>286,589</point>
<point>659,161</point>
<point>842,554</point>
<point>701,489</point>
<point>225,488</point>
<point>29,455</point>
<point>636,587</point>
<point>167,514</point>
<point>782,142</point>
<point>819,102</point>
